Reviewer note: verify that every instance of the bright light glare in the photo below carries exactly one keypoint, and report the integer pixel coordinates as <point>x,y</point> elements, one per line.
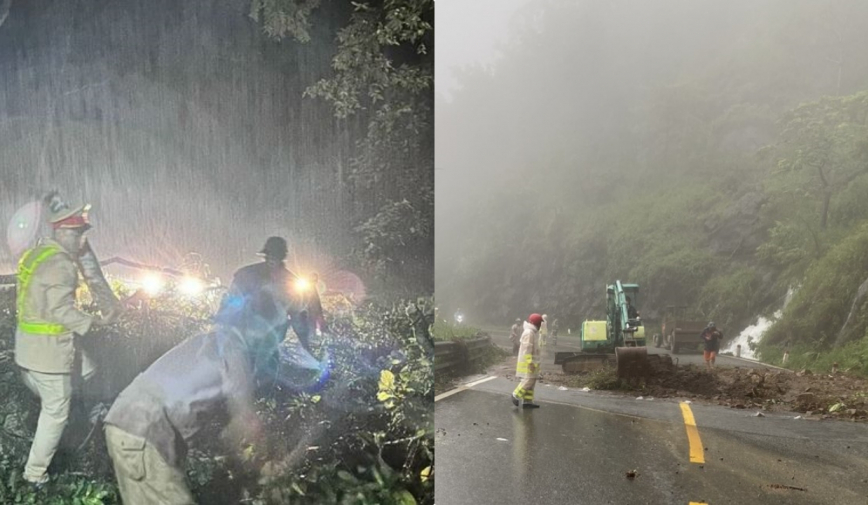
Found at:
<point>302,284</point>
<point>152,284</point>
<point>191,286</point>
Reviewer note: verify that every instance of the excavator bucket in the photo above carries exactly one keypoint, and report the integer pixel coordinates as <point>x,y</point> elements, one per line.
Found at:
<point>582,362</point>
<point>631,362</point>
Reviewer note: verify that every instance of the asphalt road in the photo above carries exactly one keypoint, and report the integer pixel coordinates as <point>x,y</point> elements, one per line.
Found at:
<point>572,343</point>
<point>578,447</point>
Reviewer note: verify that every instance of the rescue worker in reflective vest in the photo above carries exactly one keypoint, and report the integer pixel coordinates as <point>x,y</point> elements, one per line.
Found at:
<point>201,380</point>
<point>48,321</point>
<point>528,365</point>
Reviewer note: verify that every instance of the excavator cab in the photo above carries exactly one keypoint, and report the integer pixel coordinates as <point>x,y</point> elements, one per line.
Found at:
<point>624,342</point>
<point>625,325</point>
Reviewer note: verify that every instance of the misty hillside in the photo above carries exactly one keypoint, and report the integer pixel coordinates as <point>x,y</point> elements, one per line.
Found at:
<point>714,153</point>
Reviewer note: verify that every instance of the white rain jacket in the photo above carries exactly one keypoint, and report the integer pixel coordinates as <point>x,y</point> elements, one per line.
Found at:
<point>528,364</point>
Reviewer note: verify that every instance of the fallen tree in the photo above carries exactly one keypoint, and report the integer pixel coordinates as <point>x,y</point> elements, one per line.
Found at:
<point>359,431</point>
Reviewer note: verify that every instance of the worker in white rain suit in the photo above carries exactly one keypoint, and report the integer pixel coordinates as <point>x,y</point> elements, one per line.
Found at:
<point>48,322</point>
<point>544,331</point>
<point>528,366</point>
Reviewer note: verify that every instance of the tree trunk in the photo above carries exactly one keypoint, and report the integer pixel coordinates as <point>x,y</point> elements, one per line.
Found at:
<point>860,294</point>
<point>827,197</point>
<point>4,10</point>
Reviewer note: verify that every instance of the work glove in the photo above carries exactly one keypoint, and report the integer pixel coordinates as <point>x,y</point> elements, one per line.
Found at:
<point>108,319</point>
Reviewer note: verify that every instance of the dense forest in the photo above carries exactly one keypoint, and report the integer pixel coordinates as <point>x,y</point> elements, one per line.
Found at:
<point>714,153</point>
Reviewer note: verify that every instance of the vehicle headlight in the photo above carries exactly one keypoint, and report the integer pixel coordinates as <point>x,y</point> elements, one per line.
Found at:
<point>191,286</point>
<point>152,283</point>
<point>302,285</point>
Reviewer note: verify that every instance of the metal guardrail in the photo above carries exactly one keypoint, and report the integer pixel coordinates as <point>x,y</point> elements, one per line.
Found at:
<point>459,355</point>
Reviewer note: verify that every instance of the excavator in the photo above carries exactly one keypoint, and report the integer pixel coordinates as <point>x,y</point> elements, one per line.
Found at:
<point>619,340</point>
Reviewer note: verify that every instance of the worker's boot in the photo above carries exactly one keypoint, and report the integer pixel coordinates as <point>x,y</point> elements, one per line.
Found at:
<point>516,400</point>
<point>530,405</point>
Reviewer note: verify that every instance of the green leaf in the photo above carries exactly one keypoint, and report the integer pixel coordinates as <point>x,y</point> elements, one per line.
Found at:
<point>403,498</point>
<point>295,487</point>
<point>346,476</point>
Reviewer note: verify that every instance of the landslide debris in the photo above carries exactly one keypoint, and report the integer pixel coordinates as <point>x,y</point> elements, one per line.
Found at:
<point>836,395</point>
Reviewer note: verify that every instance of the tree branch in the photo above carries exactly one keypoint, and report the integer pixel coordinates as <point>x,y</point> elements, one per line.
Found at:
<point>823,175</point>
<point>4,10</point>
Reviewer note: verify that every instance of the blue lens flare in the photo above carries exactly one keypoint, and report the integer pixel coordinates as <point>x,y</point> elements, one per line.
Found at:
<point>325,369</point>
<point>303,372</point>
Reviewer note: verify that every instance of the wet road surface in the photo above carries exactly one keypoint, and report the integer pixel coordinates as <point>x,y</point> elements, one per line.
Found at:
<point>579,446</point>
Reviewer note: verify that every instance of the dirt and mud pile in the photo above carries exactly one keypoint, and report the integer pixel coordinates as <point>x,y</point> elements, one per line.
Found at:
<point>815,396</point>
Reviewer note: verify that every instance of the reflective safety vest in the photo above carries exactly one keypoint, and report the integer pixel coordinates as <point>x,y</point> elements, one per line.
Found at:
<point>523,365</point>
<point>28,264</point>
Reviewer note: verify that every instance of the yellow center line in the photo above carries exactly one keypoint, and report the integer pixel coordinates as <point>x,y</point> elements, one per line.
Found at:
<point>698,503</point>
<point>697,454</point>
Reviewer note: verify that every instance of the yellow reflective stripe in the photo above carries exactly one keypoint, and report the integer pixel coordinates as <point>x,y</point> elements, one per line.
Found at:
<point>523,365</point>
<point>524,394</point>
<point>26,267</point>
<point>42,328</point>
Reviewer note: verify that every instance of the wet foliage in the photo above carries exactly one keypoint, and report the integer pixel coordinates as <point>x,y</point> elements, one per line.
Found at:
<point>361,435</point>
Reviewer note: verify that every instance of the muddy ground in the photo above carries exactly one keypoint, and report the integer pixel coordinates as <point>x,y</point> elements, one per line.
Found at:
<point>815,396</point>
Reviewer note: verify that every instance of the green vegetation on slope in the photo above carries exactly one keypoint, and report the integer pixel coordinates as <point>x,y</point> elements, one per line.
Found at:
<point>717,182</point>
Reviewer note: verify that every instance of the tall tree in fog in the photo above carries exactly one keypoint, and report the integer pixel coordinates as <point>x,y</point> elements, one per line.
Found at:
<point>378,74</point>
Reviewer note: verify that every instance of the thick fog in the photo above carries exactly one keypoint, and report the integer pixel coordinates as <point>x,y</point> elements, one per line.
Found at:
<point>587,108</point>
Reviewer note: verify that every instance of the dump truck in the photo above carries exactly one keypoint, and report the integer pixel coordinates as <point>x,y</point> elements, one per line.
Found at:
<point>678,333</point>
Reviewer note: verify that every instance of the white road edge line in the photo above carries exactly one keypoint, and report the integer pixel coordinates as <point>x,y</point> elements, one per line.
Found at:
<point>462,388</point>
<point>480,381</point>
<point>449,393</point>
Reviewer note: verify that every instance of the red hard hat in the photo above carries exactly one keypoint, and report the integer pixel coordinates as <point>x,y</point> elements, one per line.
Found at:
<point>535,319</point>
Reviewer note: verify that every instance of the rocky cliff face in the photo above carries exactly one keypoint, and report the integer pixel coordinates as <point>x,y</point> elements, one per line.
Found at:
<point>738,231</point>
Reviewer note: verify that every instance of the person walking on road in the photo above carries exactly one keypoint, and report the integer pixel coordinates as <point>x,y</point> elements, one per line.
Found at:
<point>515,336</point>
<point>711,337</point>
<point>544,331</point>
<point>528,364</point>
